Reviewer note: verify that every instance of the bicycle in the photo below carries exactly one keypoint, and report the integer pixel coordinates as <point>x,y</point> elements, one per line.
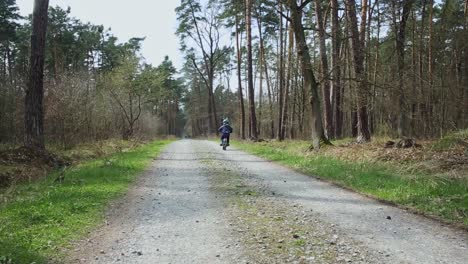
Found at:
<point>224,143</point>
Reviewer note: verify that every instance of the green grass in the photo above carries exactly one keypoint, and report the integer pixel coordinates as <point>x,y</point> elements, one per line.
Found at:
<point>452,140</point>
<point>42,218</point>
<point>435,196</point>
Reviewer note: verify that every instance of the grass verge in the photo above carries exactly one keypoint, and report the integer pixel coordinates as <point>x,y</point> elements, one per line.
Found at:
<point>45,216</point>
<point>442,198</point>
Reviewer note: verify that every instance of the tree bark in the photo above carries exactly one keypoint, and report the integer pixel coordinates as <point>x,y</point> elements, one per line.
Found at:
<point>280,74</point>
<point>374,114</point>
<point>260,93</point>
<point>248,23</point>
<point>34,108</point>
<point>421,104</point>
<point>429,118</point>
<point>267,79</point>
<point>310,83</point>
<point>357,54</point>
<point>336,71</point>
<point>464,92</point>
<point>464,117</point>
<point>327,113</point>
<point>400,39</point>
<point>284,113</point>
<point>239,81</point>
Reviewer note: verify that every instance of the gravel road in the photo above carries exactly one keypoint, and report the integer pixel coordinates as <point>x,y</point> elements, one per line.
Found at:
<point>198,204</point>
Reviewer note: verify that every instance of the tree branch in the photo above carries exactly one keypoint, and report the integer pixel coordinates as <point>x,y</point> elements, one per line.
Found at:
<point>199,71</point>
<point>284,16</point>
<point>303,5</point>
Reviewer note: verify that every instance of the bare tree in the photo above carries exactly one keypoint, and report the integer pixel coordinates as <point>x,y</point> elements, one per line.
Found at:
<point>201,25</point>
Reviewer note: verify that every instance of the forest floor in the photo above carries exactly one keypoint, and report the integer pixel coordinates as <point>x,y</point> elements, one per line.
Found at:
<point>200,204</point>
<point>19,165</point>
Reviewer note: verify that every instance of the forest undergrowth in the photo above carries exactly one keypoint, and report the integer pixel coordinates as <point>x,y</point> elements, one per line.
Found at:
<point>39,219</point>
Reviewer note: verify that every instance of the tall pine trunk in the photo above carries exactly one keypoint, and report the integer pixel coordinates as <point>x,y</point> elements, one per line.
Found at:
<point>239,81</point>
<point>34,108</point>
<point>400,39</point>
<point>421,105</point>
<point>327,113</point>
<point>336,72</point>
<point>357,54</point>
<point>284,113</point>
<point>464,117</point>
<point>280,74</point>
<point>267,79</point>
<point>429,107</point>
<point>248,23</point>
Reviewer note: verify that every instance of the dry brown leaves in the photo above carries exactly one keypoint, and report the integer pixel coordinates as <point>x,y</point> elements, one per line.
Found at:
<point>451,163</point>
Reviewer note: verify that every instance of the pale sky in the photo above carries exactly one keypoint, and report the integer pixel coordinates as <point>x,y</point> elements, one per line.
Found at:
<point>153,19</point>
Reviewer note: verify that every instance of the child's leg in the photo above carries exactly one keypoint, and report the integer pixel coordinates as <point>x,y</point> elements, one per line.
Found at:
<point>228,136</point>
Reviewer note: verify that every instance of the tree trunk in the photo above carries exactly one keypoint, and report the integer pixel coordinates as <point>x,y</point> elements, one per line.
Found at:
<point>284,113</point>
<point>34,109</point>
<point>260,93</point>
<point>308,74</point>
<point>248,23</point>
<point>280,75</point>
<point>413,77</point>
<point>464,118</point>
<point>336,72</point>
<point>421,104</point>
<point>357,54</point>
<point>292,134</point>
<point>239,81</point>
<point>213,116</point>
<point>267,79</point>
<point>400,50</point>
<point>429,117</point>
<point>374,75</point>
<point>327,113</point>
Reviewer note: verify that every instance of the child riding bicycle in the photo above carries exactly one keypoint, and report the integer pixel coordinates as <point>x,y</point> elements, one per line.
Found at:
<point>225,130</point>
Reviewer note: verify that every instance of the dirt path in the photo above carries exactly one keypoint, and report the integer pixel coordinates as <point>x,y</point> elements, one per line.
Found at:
<point>170,216</point>
<point>199,204</point>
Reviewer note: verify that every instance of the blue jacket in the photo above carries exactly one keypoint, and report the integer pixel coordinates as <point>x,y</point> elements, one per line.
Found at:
<point>225,129</point>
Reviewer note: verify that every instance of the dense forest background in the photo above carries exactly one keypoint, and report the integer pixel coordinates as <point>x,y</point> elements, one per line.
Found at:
<point>282,69</point>
<point>95,86</point>
<point>393,68</point>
